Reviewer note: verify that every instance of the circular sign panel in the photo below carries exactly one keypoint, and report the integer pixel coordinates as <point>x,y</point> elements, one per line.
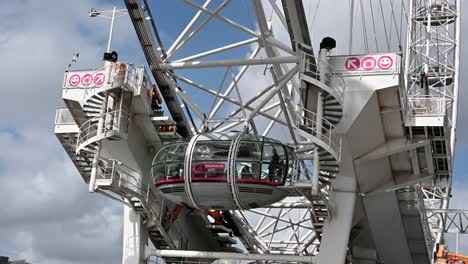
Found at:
<point>385,62</point>
<point>74,80</point>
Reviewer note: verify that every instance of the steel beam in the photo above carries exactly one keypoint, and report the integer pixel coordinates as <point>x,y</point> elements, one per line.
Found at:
<point>229,256</point>
<point>392,147</point>
<point>226,63</point>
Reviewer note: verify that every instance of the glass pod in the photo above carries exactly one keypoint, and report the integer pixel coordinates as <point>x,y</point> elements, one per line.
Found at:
<point>224,171</point>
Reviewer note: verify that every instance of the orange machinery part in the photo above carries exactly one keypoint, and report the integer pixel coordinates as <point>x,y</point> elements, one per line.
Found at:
<point>441,251</point>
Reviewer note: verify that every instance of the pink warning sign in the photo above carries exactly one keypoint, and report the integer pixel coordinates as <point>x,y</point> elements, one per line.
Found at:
<point>99,79</point>
<point>352,64</point>
<point>385,62</point>
<point>368,63</point>
<point>74,80</point>
<point>87,80</point>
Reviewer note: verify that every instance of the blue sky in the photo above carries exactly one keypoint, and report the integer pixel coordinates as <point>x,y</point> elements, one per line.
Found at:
<point>48,215</point>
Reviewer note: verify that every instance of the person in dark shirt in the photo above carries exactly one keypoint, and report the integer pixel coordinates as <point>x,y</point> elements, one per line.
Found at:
<point>273,168</point>
<point>245,173</point>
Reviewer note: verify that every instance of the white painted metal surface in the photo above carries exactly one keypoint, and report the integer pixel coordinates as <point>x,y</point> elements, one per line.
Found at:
<point>360,100</point>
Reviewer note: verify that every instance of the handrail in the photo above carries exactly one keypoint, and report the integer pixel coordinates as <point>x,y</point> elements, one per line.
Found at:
<point>323,132</point>
<point>130,183</point>
<point>424,221</point>
<point>315,69</point>
<point>116,121</point>
<point>325,189</point>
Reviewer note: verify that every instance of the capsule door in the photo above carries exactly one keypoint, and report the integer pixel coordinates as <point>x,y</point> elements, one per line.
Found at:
<point>209,174</point>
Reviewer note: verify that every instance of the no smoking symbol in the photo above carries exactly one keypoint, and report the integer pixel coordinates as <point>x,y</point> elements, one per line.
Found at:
<point>99,79</point>
<point>385,62</point>
<point>74,80</point>
<point>87,80</point>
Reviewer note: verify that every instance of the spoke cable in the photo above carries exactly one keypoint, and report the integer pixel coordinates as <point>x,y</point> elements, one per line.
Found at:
<point>364,28</point>
<point>396,27</point>
<point>385,25</point>
<point>373,26</point>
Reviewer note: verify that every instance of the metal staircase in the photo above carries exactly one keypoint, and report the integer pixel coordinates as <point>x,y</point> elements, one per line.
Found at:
<point>223,235</point>
<point>82,162</point>
<point>92,106</point>
<point>138,194</point>
<point>318,129</point>
<point>103,115</point>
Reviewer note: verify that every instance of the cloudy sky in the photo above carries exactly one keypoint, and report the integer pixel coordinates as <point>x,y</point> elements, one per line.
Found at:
<point>48,216</point>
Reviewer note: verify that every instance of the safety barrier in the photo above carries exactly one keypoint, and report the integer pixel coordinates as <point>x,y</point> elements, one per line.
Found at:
<point>308,121</point>
<point>115,121</point>
<point>427,106</point>
<point>324,73</point>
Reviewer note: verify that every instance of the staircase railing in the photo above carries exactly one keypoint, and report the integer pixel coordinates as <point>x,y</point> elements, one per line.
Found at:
<point>331,78</point>
<point>308,121</point>
<point>114,121</point>
<point>424,221</point>
<point>129,183</point>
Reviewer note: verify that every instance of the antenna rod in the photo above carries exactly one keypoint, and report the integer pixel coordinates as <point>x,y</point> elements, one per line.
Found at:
<point>110,31</point>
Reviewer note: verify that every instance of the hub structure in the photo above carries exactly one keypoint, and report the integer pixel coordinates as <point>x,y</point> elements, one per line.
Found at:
<point>279,155</point>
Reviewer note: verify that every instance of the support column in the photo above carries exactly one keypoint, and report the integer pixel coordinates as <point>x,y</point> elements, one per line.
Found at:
<point>336,233</point>
<point>323,69</point>
<point>315,176</point>
<point>335,236</point>
<point>135,238</point>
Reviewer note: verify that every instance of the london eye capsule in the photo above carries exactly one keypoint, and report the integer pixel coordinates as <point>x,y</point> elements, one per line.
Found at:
<point>224,171</point>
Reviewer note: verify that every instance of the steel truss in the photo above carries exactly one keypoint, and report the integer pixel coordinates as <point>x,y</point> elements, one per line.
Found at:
<point>432,69</point>
<point>272,110</point>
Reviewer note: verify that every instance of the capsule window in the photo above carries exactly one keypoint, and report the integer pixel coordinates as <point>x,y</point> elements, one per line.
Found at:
<point>292,167</point>
<point>209,159</point>
<point>248,160</point>
<point>177,152</point>
<point>175,170</point>
<point>157,170</point>
<point>273,162</point>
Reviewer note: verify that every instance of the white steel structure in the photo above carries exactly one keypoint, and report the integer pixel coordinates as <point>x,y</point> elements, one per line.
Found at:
<point>373,137</point>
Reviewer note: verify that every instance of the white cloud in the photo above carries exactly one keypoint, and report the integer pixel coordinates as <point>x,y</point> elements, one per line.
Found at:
<point>47,215</point>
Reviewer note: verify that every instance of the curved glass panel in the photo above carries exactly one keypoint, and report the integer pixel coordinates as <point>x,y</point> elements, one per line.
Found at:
<point>209,160</point>
<point>258,160</point>
<point>161,155</point>
<point>177,152</point>
<point>273,162</point>
<point>292,166</point>
<point>248,159</point>
<point>168,164</point>
<point>158,172</point>
<point>174,166</point>
<point>252,137</point>
<point>174,170</point>
<point>157,169</point>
